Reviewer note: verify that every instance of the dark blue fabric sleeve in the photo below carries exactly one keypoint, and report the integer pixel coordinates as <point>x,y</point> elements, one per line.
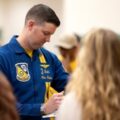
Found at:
<point>28,109</point>
<point>60,77</point>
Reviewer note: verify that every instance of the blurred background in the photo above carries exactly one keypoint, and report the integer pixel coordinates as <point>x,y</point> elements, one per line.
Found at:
<point>76,16</point>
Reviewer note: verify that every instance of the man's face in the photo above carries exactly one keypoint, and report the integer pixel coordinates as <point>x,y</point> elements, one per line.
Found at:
<point>39,34</point>
<point>68,52</point>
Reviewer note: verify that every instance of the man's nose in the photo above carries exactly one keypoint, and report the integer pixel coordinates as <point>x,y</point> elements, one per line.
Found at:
<point>48,39</point>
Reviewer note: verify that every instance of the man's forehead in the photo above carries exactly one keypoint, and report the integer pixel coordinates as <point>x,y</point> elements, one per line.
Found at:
<point>49,27</point>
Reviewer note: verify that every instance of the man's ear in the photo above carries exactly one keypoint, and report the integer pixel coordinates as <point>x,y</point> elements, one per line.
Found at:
<point>30,24</point>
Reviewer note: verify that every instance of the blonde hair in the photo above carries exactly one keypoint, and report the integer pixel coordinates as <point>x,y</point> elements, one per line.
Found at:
<point>96,81</point>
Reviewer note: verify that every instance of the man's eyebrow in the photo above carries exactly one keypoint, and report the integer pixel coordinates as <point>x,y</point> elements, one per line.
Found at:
<point>47,32</point>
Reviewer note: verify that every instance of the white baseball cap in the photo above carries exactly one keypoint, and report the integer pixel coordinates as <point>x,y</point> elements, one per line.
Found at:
<point>67,41</point>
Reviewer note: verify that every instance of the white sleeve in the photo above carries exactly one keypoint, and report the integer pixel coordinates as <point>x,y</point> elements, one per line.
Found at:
<point>69,109</point>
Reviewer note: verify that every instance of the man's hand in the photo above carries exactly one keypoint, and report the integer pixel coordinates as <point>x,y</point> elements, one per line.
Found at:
<point>53,103</point>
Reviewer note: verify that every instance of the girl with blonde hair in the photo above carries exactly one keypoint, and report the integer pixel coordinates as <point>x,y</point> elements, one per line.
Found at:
<point>93,92</point>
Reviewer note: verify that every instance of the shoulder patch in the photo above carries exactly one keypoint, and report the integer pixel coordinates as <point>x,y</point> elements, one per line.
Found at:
<point>22,72</point>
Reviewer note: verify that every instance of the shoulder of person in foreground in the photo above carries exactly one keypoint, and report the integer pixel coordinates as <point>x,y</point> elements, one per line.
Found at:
<point>69,108</point>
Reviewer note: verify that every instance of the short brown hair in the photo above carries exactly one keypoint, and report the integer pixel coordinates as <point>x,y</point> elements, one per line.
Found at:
<point>42,13</point>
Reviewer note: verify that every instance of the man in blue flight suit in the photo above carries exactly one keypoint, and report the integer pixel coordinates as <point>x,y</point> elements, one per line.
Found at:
<point>31,69</point>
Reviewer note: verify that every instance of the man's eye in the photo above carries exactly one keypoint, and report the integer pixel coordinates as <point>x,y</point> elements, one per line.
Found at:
<point>45,33</point>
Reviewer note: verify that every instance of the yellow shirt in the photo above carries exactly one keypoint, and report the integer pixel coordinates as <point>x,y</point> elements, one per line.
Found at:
<point>72,64</point>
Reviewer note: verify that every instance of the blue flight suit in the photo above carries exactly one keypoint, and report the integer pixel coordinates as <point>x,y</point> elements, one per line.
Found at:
<point>29,75</point>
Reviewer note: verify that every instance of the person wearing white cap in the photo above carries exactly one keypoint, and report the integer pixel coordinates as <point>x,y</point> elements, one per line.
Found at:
<point>68,47</point>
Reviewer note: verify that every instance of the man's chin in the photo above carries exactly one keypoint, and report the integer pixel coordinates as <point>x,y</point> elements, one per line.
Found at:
<point>37,47</point>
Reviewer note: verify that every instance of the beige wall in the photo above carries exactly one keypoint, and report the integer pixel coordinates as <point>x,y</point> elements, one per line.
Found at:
<point>14,12</point>
<point>76,16</point>
<point>1,20</point>
<point>81,15</point>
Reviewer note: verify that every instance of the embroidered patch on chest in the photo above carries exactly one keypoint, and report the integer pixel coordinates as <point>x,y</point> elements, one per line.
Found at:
<point>22,72</point>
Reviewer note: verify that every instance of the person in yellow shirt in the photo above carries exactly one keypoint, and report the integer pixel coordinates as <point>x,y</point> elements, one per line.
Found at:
<point>68,47</point>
